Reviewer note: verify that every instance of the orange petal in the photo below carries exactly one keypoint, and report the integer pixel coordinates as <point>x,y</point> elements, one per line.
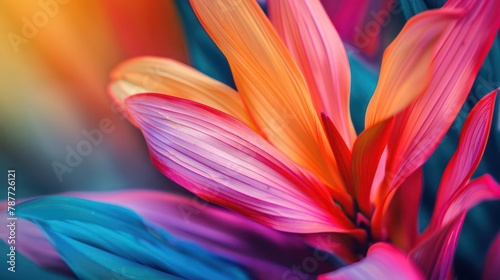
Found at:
<point>270,82</point>
<point>318,50</point>
<point>406,63</point>
<point>160,75</point>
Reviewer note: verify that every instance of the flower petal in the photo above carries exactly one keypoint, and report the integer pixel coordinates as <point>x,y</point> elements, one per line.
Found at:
<point>404,73</point>
<point>383,261</point>
<point>153,74</point>
<point>401,218</point>
<point>270,82</point>
<point>492,264</point>
<point>101,240</point>
<point>472,142</point>
<point>434,253</point>
<point>383,217</point>
<point>318,50</point>
<point>220,159</point>
<point>366,156</point>
<point>421,127</point>
<point>342,154</point>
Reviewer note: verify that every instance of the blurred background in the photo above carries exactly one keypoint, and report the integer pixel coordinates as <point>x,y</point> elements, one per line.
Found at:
<point>56,56</point>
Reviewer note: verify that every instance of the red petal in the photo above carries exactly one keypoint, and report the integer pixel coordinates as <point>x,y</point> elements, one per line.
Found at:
<point>366,155</point>
<point>342,155</point>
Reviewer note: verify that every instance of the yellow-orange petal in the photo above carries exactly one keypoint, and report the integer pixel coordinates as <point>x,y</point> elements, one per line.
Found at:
<point>161,75</point>
<point>270,82</point>
<point>407,64</point>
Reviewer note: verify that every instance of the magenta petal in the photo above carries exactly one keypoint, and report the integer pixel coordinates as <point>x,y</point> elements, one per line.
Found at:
<point>383,261</point>
<point>434,253</point>
<point>223,161</point>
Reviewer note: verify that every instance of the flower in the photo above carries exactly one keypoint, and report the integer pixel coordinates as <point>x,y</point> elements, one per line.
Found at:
<point>282,149</point>
<point>283,152</point>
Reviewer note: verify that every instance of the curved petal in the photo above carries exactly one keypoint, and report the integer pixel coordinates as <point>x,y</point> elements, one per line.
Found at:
<point>220,159</point>
<point>492,264</point>
<point>434,253</point>
<point>471,145</point>
<point>161,75</point>
<point>404,73</point>
<point>342,154</point>
<point>466,197</point>
<point>270,83</point>
<point>421,127</point>
<point>318,50</point>
<point>366,155</point>
<point>101,240</point>
<point>383,261</point>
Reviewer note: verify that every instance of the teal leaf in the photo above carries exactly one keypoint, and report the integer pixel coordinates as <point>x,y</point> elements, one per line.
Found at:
<point>104,241</point>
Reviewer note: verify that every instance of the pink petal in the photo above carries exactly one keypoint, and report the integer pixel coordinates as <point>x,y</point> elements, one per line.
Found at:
<point>220,159</point>
<point>434,253</point>
<point>492,264</point>
<point>473,139</point>
<point>420,128</point>
<point>383,261</point>
<point>318,50</point>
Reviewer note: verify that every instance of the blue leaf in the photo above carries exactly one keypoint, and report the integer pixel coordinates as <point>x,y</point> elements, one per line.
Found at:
<point>104,241</point>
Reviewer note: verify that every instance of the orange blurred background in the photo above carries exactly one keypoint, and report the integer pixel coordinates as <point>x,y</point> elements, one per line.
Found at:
<point>55,59</point>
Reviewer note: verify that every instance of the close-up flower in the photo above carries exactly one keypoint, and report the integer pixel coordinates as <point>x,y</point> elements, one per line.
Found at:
<point>320,139</point>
